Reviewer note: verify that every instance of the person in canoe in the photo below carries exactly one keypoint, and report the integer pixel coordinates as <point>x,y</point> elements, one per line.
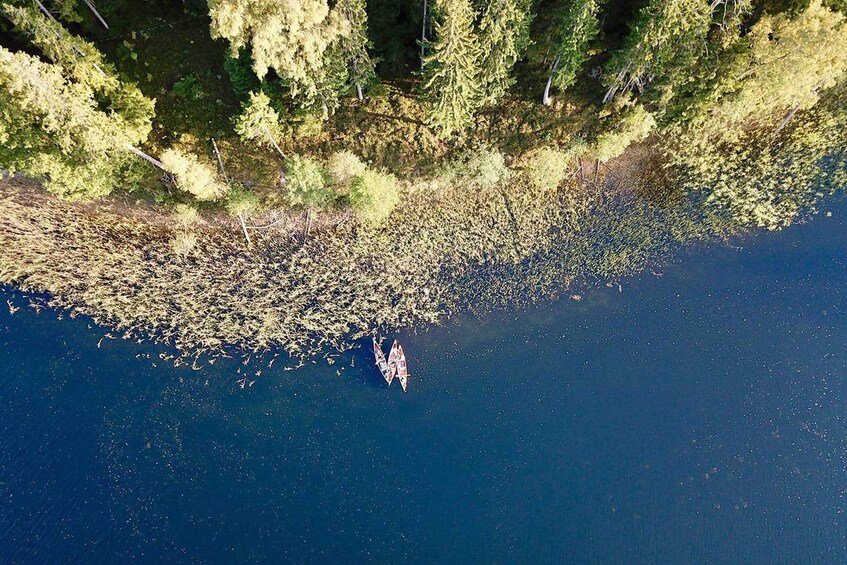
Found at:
<point>402,368</point>
<point>392,359</point>
<point>380,361</point>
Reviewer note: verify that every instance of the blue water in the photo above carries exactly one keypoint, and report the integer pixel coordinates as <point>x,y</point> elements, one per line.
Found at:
<point>698,415</point>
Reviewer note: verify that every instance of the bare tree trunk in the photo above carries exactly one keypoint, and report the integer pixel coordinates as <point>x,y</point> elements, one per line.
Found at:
<point>786,119</point>
<point>45,10</point>
<point>96,13</point>
<point>146,157</point>
<point>220,161</point>
<point>546,98</point>
<point>273,142</point>
<point>226,178</point>
<point>356,81</point>
<point>309,225</point>
<point>244,229</point>
<point>423,31</point>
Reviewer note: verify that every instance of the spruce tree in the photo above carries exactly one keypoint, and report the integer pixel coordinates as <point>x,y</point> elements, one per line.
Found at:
<point>82,63</point>
<point>578,27</point>
<point>504,37</point>
<point>452,76</point>
<point>353,46</point>
<point>667,38</point>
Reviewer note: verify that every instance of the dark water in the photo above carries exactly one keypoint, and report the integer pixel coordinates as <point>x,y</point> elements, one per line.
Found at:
<point>696,416</point>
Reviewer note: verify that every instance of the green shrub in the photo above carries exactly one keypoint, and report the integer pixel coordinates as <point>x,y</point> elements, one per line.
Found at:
<point>307,183</point>
<point>241,202</point>
<point>484,169</point>
<point>188,88</point>
<point>193,176</point>
<point>635,126</point>
<point>343,167</point>
<point>373,196</point>
<point>546,168</point>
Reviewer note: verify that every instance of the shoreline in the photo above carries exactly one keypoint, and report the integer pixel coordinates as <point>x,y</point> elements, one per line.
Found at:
<point>450,246</point>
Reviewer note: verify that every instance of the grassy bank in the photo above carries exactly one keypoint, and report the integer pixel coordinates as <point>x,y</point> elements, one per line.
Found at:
<point>454,244</point>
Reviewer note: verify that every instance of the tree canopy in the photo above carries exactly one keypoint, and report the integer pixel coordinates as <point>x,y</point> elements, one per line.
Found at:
<point>292,38</point>
<point>452,77</point>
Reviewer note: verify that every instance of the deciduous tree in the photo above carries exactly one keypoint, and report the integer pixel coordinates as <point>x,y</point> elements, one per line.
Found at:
<point>192,175</point>
<point>373,196</point>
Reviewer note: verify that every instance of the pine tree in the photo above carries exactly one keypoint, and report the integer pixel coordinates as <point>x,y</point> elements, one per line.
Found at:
<point>452,81</point>
<point>353,46</point>
<point>292,38</point>
<point>504,37</point>
<point>578,27</point>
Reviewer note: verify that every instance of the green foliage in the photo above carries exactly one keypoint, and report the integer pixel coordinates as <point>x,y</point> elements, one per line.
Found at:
<point>67,10</point>
<point>307,183</point>
<point>54,129</point>
<point>186,215</point>
<point>452,81</point>
<point>353,45</point>
<point>373,196</point>
<point>634,126</point>
<point>788,63</point>
<point>241,202</point>
<point>189,88</point>
<point>666,39</point>
<point>766,184</point>
<point>241,76</point>
<point>504,37</point>
<point>343,167</point>
<point>483,169</point>
<point>293,39</point>
<point>183,243</point>
<point>546,168</point>
<point>578,28</point>
<point>79,60</point>
<point>258,122</point>
<point>193,176</point>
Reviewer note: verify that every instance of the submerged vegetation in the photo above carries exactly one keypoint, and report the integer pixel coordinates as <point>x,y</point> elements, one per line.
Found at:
<point>329,175</point>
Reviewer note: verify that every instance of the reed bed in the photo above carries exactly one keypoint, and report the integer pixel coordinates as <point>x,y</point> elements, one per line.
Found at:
<point>449,247</point>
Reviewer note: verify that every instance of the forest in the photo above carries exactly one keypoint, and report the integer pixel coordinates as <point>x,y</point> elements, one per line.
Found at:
<point>248,155</point>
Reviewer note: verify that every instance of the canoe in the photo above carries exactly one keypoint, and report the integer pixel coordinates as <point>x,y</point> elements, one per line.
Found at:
<point>402,368</point>
<point>392,358</point>
<point>380,361</point>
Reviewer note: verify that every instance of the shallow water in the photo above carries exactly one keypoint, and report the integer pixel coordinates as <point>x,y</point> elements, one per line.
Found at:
<point>697,415</point>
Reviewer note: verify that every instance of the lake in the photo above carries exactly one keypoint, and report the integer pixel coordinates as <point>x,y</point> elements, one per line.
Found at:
<point>696,414</point>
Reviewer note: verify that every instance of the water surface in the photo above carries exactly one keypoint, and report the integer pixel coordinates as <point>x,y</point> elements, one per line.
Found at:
<point>694,415</point>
